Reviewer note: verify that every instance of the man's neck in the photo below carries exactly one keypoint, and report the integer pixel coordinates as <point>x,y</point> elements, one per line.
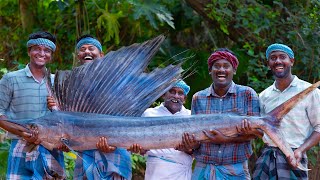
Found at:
<point>283,83</point>
<point>221,91</point>
<point>38,72</point>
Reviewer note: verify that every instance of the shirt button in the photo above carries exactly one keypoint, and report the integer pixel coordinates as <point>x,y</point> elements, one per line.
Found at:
<point>219,151</point>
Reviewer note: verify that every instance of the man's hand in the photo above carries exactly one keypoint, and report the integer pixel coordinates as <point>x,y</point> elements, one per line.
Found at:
<point>189,141</point>
<point>246,129</point>
<point>63,148</point>
<point>216,136</point>
<point>136,148</point>
<point>103,146</point>
<point>32,136</point>
<point>181,147</point>
<point>51,103</point>
<point>298,155</point>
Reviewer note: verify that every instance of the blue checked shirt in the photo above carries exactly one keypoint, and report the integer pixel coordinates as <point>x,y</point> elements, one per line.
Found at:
<point>239,99</point>
<point>21,96</point>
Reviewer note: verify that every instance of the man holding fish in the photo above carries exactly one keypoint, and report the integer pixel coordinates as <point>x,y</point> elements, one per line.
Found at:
<point>23,96</point>
<point>108,161</point>
<point>168,163</point>
<point>223,157</point>
<point>300,127</point>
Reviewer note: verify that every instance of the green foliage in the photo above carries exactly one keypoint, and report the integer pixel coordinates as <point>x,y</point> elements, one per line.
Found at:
<point>246,27</point>
<point>4,152</point>
<point>69,162</point>
<point>138,165</point>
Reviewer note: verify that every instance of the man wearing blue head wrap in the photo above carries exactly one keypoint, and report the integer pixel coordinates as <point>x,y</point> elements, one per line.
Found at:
<point>88,49</point>
<point>108,162</point>
<point>22,95</point>
<point>169,163</point>
<point>300,127</point>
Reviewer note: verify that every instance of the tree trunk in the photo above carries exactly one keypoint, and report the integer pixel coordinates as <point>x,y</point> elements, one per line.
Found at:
<point>28,14</point>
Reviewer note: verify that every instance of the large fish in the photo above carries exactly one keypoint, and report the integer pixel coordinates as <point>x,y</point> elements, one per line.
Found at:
<point>108,96</point>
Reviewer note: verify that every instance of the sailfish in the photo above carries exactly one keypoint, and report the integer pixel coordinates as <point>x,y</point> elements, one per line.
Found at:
<point>107,97</point>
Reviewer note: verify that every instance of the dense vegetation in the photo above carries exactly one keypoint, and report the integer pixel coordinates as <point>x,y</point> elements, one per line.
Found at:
<point>194,28</point>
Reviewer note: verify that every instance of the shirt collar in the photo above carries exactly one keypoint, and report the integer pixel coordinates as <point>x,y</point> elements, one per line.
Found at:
<point>293,83</point>
<point>231,90</point>
<point>28,71</point>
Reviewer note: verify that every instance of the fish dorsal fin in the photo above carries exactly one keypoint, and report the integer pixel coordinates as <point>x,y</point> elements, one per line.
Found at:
<point>285,107</point>
<point>116,84</point>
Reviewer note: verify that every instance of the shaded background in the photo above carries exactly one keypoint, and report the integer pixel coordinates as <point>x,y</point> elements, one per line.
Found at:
<point>194,28</point>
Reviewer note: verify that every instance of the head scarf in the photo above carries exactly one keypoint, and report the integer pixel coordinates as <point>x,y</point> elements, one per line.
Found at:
<point>181,84</point>
<point>223,55</point>
<point>279,47</point>
<point>89,40</point>
<point>42,41</point>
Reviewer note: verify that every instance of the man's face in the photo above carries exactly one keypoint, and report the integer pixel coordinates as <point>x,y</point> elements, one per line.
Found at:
<point>280,64</point>
<point>222,73</point>
<point>39,55</point>
<point>88,53</point>
<point>174,99</point>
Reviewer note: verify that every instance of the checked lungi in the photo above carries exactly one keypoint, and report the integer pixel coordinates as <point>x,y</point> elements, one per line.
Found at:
<point>272,164</point>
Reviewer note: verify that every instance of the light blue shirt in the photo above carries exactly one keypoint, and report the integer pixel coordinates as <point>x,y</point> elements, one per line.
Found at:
<point>22,96</point>
<point>302,120</point>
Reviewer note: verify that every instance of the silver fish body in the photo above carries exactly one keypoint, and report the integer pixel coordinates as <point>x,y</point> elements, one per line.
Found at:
<point>81,131</point>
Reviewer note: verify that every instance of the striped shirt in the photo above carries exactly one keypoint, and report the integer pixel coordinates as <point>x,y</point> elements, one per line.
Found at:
<point>22,96</point>
<point>239,99</point>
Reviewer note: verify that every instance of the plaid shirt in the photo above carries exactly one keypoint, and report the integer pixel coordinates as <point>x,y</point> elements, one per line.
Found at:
<point>239,99</point>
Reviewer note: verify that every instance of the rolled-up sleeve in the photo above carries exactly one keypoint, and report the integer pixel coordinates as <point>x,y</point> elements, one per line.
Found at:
<point>5,94</point>
<point>313,110</point>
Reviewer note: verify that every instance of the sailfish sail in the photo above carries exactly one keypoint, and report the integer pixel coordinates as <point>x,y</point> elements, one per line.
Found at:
<point>116,84</point>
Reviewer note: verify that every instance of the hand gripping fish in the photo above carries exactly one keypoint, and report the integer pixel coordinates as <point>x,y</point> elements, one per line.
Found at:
<point>108,96</point>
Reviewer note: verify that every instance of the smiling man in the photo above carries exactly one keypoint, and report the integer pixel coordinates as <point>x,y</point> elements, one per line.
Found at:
<point>23,96</point>
<point>300,127</point>
<point>169,164</point>
<point>88,49</point>
<point>223,157</point>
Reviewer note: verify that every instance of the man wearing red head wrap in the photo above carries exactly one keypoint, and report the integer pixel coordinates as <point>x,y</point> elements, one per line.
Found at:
<point>223,157</point>
<point>217,55</point>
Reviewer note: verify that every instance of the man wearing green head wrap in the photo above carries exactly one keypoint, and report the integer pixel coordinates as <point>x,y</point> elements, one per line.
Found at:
<point>300,127</point>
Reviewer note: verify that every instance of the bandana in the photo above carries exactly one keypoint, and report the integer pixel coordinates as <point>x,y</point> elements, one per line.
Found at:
<point>181,84</point>
<point>42,41</point>
<point>279,47</point>
<point>223,55</point>
<point>89,40</point>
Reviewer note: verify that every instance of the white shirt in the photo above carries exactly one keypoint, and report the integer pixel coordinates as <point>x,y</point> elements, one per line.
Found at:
<point>302,120</point>
<point>167,163</point>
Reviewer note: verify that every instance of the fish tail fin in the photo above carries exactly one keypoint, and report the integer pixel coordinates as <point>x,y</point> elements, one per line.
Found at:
<point>280,111</point>
<point>277,137</point>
